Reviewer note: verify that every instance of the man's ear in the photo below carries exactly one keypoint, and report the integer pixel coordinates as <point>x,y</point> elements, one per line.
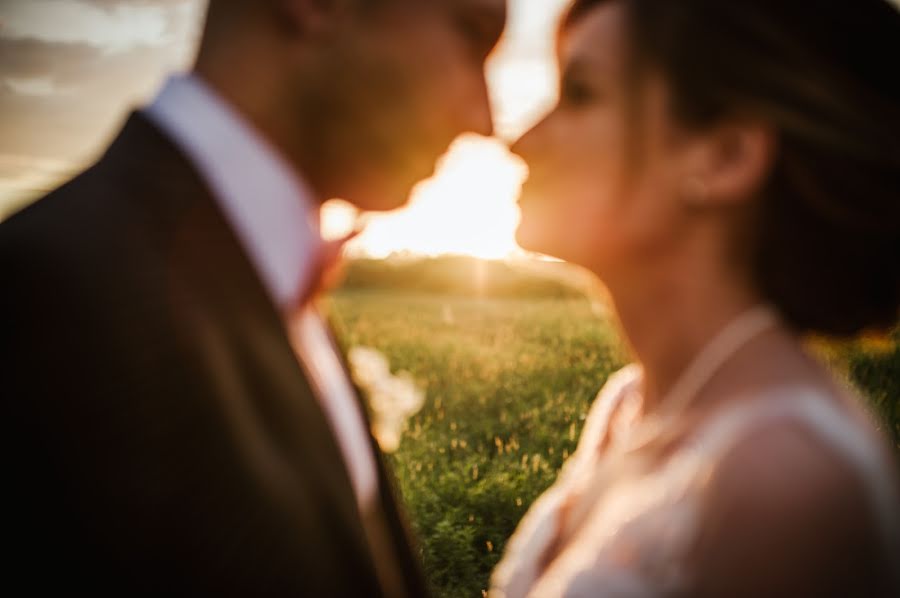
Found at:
<point>731,162</point>
<point>312,18</point>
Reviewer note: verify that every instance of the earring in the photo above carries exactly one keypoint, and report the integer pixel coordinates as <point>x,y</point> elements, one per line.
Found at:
<point>695,191</point>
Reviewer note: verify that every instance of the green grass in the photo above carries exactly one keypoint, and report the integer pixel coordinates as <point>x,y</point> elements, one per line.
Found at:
<point>508,384</point>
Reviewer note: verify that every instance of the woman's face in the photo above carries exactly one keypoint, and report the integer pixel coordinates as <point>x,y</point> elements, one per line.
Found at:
<point>603,174</point>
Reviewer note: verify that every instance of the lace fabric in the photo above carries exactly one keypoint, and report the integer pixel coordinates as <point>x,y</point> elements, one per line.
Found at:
<point>614,526</point>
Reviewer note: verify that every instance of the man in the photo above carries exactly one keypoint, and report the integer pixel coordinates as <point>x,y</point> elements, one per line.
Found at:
<point>176,418</point>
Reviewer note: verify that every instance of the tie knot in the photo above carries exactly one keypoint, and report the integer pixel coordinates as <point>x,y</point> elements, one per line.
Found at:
<point>327,268</point>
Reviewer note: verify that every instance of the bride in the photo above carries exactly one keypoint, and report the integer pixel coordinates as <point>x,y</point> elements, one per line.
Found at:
<point>731,171</point>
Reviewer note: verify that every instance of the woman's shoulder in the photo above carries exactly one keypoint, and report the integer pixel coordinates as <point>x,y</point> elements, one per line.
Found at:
<point>798,464</point>
<point>809,428</point>
<point>785,495</point>
<point>830,420</point>
<point>625,376</point>
<point>617,386</point>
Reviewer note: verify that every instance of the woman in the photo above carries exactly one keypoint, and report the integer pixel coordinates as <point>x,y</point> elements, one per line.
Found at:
<point>731,172</point>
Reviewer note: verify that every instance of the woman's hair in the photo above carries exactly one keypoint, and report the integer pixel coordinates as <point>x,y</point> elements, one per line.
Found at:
<point>824,74</point>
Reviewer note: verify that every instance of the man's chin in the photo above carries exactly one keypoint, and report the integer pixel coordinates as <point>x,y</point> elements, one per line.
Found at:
<point>384,194</point>
<point>393,195</point>
<point>382,201</point>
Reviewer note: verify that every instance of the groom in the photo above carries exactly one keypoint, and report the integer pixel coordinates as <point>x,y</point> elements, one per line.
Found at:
<point>176,419</point>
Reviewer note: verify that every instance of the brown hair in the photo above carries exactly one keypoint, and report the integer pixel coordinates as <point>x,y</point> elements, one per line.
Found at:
<point>826,249</point>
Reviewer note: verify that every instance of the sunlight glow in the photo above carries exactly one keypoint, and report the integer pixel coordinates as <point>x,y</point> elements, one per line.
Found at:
<point>469,206</point>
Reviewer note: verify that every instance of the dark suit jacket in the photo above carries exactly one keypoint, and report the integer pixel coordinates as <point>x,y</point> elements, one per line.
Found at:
<point>159,436</point>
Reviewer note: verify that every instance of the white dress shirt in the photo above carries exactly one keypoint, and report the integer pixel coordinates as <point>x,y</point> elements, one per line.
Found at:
<point>276,219</point>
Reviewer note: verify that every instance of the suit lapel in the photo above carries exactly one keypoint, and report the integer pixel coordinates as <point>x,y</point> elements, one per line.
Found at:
<point>246,339</point>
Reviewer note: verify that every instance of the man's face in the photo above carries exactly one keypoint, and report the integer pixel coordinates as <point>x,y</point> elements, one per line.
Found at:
<point>397,84</point>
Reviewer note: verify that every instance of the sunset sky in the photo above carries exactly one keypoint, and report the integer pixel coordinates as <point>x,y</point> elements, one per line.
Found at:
<point>71,69</point>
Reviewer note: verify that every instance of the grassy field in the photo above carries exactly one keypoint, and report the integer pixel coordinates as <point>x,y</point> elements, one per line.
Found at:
<point>508,384</point>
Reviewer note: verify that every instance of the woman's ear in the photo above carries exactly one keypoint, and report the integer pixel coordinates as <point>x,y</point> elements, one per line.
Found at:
<point>730,163</point>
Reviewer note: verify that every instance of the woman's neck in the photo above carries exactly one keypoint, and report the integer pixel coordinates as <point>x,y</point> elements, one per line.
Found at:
<point>668,321</point>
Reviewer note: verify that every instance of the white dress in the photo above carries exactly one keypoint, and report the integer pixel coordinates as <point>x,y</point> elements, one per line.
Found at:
<point>628,526</point>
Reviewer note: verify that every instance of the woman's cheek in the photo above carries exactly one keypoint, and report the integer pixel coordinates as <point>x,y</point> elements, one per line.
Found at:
<point>563,226</point>
<point>537,230</point>
<point>583,233</point>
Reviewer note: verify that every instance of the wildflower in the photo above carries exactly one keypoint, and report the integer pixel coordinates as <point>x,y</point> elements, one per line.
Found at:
<point>392,398</point>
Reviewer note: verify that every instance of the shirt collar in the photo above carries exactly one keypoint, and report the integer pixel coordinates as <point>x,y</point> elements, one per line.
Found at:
<point>270,207</point>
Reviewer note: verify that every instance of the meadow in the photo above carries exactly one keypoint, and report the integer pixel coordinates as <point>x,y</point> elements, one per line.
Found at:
<point>508,383</point>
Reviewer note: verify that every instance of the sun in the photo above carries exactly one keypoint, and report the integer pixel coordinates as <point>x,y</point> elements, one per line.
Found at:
<point>468,207</point>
